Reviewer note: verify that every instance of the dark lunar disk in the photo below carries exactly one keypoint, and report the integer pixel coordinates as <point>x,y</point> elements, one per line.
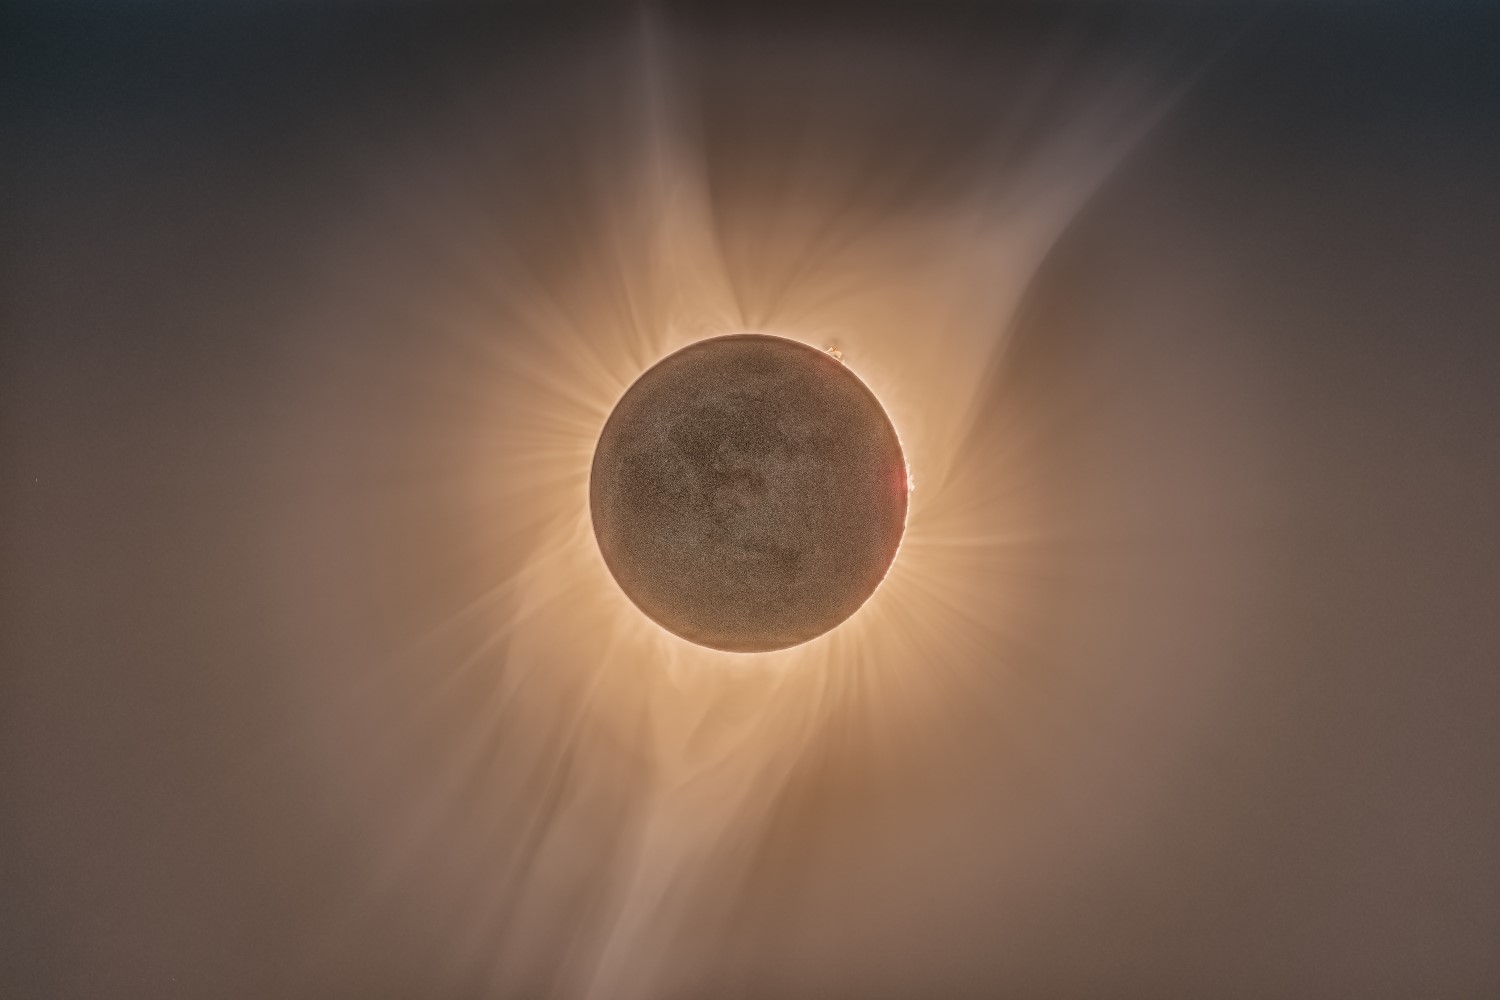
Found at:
<point>748,493</point>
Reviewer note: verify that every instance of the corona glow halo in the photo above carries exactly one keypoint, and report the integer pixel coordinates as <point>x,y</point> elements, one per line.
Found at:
<point>748,493</point>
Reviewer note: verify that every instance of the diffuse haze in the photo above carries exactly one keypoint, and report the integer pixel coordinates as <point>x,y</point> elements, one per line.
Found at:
<point>320,685</point>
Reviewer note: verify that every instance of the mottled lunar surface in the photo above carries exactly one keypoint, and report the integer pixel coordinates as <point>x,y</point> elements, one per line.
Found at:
<point>748,493</point>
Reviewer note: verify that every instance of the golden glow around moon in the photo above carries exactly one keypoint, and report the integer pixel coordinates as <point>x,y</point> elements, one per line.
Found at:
<point>525,340</point>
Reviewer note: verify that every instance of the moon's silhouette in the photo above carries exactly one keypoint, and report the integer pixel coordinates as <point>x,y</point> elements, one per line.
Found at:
<point>748,493</point>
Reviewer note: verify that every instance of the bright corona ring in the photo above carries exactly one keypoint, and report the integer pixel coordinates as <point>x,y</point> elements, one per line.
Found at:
<point>748,493</point>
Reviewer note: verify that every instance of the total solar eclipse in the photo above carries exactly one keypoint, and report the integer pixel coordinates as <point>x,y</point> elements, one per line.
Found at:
<point>748,493</point>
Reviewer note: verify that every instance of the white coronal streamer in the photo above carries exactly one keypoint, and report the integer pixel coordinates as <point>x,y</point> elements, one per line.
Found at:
<point>920,305</point>
<point>923,326</point>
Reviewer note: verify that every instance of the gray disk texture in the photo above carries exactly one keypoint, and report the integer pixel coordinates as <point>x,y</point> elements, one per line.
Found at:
<point>748,493</point>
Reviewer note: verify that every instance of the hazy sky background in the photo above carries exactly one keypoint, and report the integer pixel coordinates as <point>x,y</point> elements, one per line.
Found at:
<point>1234,738</point>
